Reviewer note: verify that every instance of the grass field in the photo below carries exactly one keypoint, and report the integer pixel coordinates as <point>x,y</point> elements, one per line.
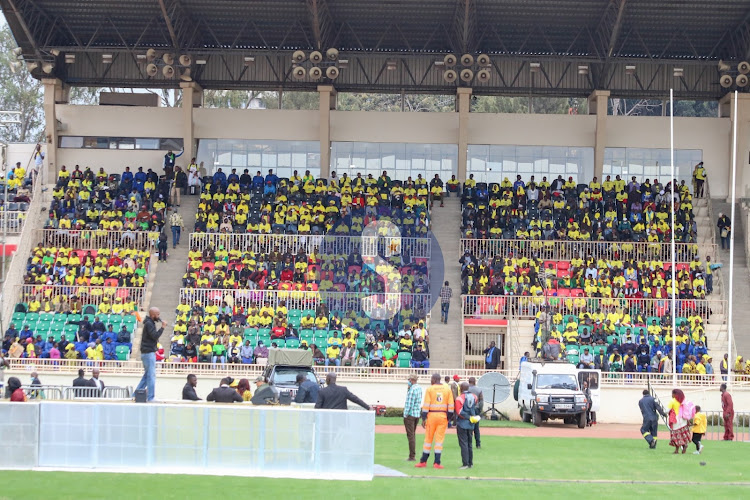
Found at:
<point>507,466</point>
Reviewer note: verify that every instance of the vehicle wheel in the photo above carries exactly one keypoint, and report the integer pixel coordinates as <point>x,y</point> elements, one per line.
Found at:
<point>536,417</point>
<point>526,417</point>
<point>582,420</point>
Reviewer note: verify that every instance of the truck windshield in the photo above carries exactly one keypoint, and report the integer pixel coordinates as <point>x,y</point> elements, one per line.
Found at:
<point>288,375</point>
<point>557,382</point>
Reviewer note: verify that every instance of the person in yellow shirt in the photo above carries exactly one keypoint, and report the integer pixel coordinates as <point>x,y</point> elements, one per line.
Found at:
<point>437,410</point>
<point>700,424</point>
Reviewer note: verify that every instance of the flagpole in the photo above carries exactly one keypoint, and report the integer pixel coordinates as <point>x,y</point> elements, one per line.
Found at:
<point>730,330</point>
<point>674,258</point>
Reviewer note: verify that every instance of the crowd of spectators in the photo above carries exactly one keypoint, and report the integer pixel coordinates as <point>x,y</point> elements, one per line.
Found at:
<point>613,210</point>
<point>221,333</point>
<point>305,205</point>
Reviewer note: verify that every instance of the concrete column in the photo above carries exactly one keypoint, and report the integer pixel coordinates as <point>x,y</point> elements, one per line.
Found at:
<point>327,102</point>
<point>726,108</point>
<point>598,106</point>
<point>54,93</point>
<point>463,104</point>
<point>192,97</point>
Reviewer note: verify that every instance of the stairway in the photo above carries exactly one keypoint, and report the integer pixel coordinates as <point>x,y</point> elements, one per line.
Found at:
<point>164,287</point>
<point>445,339</point>
<point>522,334</point>
<point>741,286</point>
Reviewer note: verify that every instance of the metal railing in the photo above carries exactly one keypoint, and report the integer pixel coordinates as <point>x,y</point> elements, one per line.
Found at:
<point>328,244</point>
<point>135,368</point>
<point>58,392</point>
<point>42,391</point>
<point>14,220</point>
<point>565,250</point>
<point>89,295</point>
<point>715,428</point>
<point>526,307</point>
<point>377,305</point>
<point>17,268</point>
<point>92,239</point>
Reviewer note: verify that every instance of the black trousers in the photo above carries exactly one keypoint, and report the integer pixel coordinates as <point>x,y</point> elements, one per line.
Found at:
<point>464,442</point>
<point>410,424</point>
<point>649,429</point>
<point>477,437</point>
<point>697,436</point>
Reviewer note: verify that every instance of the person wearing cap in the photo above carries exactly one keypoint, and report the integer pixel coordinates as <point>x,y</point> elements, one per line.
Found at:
<point>225,393</point>
<point>586,360</point>
<point>264,393</point>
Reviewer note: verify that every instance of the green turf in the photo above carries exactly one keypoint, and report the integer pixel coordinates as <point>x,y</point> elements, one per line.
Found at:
<point>516,424</point>
<point>527,459</point>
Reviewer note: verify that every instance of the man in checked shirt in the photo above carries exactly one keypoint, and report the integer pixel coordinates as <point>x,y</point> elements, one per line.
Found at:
<point>412,411</point>
<point>445,301</point>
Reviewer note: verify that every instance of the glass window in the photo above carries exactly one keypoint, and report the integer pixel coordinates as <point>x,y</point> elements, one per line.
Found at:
<point>281,156</point>
<point>71,142</point>
<point>146,143</point>
<point>126,143</point>
<point>651,162</point>
<point>401,160</point>
<point>173,144</point>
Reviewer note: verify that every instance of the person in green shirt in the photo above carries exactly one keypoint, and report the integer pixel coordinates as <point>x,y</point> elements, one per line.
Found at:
<point>389,355</point>
<point>220,353</point>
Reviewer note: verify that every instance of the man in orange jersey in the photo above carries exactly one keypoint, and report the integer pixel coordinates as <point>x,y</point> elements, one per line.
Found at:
<point>437,409</point>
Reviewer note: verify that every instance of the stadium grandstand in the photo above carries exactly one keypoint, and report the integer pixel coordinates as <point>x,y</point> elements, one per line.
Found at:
<point>335,230</point>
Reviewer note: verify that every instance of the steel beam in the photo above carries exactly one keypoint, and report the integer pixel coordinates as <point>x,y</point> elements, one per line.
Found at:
<point>322,23</point>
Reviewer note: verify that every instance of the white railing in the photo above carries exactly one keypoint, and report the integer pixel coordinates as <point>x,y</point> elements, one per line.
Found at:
<point>376,305</point>
<point>17,268</point>
<point>88,295</point>
<point>135,368</point>
<point>526,307</point>
<point>92,239</point>
<point>12,220</point>
<point>561,250</point>
<point>267,243</point>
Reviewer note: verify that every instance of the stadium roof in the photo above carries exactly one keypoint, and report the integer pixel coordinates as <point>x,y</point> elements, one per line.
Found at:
<point>605,34</point>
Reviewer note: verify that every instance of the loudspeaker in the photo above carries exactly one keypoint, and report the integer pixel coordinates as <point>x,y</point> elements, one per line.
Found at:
<point>185,60</point>
<point>483,60</point>
<point>315,72</point>
<point>298,56</point>
<point>450,76</point>
<point>467,75</point>
<point>742,80</point>
<point>484,75</point>
<point>151,69</point>
<point>743,67</point>
<point>150,55</point>
<point>332,54</point>
<point>449,60</point>
<point>141,395</point>
<point>467,59</point>
<point>168,59</point>
<point>299,72</point>
<point>332,73</point>
<point>316,57</point>
<point>167,71</point>
<point>726,81</point>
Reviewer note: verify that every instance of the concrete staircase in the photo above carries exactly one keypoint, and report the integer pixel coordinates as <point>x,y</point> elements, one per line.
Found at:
<point>741,282</point>
<point>522,334</point>
<point>165,284</point>
<point>445,339</point>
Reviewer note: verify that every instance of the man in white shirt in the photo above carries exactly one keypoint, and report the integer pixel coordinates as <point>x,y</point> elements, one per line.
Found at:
<point>96,381</point>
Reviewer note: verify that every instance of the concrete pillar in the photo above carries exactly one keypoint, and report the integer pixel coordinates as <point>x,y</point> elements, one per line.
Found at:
<point>598,101</point>
<point>192,97</point>
<point>463,104</point>
<point>726,108</point>
<point>327,95</point>
<point>54,93</point>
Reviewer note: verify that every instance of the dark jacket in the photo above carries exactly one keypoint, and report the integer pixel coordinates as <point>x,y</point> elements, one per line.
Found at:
<point>223,394</point>
<point>150,336</point>
<point>263,395</point>
<point>307,392</point>
<point>494,358</point>
<point>334,397</point>
<point>188,393</point>
<point>649,408</point>
<point>81,382</point>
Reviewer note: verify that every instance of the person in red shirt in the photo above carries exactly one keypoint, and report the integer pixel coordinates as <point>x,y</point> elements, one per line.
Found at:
<point>16,393</point>
<point>727,410</point>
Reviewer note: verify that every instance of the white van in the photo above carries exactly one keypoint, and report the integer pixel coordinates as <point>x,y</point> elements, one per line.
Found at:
<point>552,390</point>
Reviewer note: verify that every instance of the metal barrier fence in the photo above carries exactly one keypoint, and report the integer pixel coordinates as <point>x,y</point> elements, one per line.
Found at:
<point>42,391</point>
<point>58,392</point>
<point>89,295</point>
<point>715,428</point>
<point>134,368</point>
<point>92,239</point>
<point>526,307</point>
<point>13,221</point>
<point>562,250</point>
<point>266,243</point>
<point>377,305</point>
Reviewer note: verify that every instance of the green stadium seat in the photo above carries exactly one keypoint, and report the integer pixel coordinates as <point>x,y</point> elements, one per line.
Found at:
<point>280,343</point>
<point>265,332</point>
<point>122,352</point>
<point>403,360</point>
<point>31,317</point>
<point>292,344</point>
<point>18,317</point>
<point>361,342</point>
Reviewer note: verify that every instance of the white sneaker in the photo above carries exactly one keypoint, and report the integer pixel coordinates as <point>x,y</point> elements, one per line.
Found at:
<point>696,453</point>
<point>700,449</point>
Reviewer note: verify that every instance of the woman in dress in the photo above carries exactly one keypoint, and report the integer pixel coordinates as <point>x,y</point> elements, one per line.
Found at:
<point>679,430</point>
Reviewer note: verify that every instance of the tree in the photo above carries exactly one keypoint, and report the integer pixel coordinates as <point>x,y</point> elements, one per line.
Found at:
<point>19,92</point>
